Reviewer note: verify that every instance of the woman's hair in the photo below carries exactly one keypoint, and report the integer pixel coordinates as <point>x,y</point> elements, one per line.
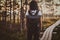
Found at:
<point>33,5</point>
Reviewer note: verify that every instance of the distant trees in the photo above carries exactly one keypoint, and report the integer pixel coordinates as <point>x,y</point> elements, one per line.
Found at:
<point>48,0</point>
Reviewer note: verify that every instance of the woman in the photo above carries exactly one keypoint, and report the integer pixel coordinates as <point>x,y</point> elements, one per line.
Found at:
<point>33,21</point>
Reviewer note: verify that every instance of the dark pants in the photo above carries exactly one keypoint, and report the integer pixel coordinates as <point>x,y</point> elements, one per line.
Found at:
<point>33,32</point>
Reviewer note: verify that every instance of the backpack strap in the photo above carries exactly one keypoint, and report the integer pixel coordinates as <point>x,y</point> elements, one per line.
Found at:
<point>37,12</point>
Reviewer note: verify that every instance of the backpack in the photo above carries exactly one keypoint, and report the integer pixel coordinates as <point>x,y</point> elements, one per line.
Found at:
<point>33,19</point>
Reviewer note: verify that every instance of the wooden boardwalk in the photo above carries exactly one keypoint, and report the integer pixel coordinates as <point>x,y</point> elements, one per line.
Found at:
<point>48,32</point>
